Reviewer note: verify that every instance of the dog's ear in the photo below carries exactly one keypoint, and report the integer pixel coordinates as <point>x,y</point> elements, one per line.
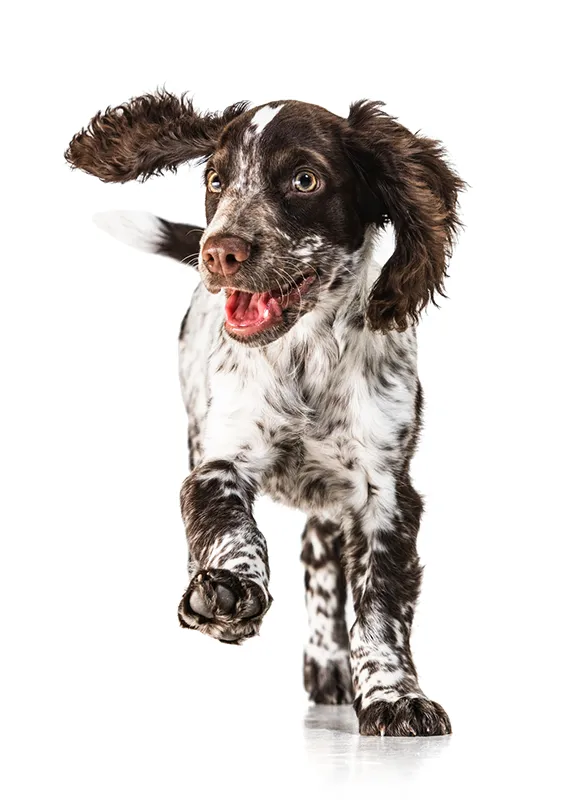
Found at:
<point>407,180</point>
<point>146,136</point>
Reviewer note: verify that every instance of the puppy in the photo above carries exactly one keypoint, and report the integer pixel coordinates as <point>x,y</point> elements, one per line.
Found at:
<point>298,368</point>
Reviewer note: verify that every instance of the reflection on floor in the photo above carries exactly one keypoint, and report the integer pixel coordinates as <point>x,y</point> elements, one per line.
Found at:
<point>332,743</point>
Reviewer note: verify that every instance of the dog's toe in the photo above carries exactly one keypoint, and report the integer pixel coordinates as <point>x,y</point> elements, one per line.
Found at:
<point>199,604</point>
<point>225,599</point>
<point>252,608</point>
<point>407,716</point>
<point>209,600</point>
<point>328,682</point>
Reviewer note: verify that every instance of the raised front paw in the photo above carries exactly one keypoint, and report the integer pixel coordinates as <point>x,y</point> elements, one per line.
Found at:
<point>407,716</point>
<point>327,678</point>
<point>223,605</point>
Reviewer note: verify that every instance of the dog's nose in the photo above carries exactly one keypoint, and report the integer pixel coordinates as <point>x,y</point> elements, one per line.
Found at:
<point>224,254</point>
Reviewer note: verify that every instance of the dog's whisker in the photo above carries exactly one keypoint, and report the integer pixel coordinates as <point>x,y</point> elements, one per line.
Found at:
<point>188,259</point>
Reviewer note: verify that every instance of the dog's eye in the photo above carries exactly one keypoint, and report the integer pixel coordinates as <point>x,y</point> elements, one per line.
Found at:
<point>213,181</point>
<point>305,181</point>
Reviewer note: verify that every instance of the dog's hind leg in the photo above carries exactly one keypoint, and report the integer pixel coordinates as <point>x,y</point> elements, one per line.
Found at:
<point>327,675</point>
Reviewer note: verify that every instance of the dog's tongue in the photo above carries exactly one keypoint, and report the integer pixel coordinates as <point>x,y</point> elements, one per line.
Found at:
<point>244,309</point>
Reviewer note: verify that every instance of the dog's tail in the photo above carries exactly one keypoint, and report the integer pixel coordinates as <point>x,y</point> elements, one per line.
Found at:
<point>152,234</point>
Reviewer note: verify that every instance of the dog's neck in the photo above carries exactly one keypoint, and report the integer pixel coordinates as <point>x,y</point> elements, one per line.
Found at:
<point>331,340</point>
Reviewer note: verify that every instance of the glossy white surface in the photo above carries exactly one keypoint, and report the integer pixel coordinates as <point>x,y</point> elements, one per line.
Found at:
<point>150,734</point>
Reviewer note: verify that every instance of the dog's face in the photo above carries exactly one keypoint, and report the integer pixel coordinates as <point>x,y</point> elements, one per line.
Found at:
<point>284,216</point>
<point>290,192</point>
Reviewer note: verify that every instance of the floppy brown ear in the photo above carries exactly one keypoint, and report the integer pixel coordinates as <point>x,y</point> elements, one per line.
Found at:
<point>146,136</point>
<point>410,182</point>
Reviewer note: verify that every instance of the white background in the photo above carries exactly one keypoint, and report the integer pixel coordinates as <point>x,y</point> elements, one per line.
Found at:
<point>103,694</point>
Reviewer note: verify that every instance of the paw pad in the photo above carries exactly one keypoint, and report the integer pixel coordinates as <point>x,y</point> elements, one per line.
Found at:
<point>223,605</point>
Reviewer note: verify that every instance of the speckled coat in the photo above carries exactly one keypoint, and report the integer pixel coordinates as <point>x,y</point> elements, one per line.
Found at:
<point>320,409</point>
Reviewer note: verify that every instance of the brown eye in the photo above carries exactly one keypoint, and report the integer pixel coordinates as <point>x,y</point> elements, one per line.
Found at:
<point>213,182</point>
<point>305,181</point>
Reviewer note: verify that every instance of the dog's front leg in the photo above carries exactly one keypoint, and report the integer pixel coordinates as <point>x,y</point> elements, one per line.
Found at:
<point>228,593</point>
<point>384,571</point>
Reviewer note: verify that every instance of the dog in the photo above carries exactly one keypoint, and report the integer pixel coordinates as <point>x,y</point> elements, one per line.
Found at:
<point>298,367</point>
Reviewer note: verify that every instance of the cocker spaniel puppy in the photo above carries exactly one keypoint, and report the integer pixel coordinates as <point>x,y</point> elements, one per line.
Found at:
<point>298,367</point>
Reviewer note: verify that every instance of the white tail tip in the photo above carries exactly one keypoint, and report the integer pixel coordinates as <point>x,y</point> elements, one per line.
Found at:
<point>136,228</point>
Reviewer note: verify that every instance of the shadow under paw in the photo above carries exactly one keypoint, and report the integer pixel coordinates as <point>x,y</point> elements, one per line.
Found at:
<point>407,716</point>
<point>223,605</point>
<point>330,682</point>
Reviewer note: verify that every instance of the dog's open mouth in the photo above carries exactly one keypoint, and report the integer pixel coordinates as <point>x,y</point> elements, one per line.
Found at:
<point>248,313</point>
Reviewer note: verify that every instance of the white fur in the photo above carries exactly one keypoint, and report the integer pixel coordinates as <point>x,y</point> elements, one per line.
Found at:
<point>263,117</point>
<point>136,228</point>
<point>327,655</point>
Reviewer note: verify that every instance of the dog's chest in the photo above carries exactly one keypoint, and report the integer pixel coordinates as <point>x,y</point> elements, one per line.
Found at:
<point>335,428</point>
<point>317,420</point>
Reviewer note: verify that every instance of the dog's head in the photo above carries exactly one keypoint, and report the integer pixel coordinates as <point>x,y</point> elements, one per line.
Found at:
<point>291,191</point>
